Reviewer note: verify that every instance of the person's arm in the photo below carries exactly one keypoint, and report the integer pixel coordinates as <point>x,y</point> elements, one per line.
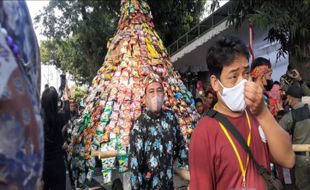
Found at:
<point>136,156</point>
<point>201,165</point>
<point>279,141</point>
<point>66,94</point>
<point>66,97</point>
<point>304,86</point>
<point>65,112</point>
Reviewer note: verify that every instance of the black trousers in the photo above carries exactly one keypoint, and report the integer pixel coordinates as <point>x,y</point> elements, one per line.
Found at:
<point>54,174</point>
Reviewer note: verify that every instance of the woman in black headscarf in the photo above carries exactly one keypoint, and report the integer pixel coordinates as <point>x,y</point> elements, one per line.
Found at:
<point>54,171</point>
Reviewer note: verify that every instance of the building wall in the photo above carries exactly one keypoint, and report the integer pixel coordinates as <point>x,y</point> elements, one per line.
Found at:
<point>192,57</point>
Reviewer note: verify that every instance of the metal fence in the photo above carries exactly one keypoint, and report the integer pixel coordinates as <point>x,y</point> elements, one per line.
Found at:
<point>203,27</point>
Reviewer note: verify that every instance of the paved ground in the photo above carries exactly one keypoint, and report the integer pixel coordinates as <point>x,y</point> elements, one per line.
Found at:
<point>178,183</point>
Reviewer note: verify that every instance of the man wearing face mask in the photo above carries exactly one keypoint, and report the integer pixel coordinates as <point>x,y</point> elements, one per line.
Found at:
<point>155,141</point>
<point>305,89</point>
<point>261,73</point>
<point>297,123</point>
<point>217,161</point>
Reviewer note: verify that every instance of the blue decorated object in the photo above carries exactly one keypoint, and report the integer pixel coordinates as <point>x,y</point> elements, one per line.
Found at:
<point>21,132</point>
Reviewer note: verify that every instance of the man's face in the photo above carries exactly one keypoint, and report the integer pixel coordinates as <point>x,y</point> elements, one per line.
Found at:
<point>200,107</point>
<point>266,77</point>
<point>81,110</point>
<point>289,100</point>
<point>209,99</point>
<point>73,106</point>
<point>154,96</point>
<point>232,74</point>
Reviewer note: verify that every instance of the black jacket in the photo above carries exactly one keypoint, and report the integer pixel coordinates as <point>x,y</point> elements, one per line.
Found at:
<point>53,137</point>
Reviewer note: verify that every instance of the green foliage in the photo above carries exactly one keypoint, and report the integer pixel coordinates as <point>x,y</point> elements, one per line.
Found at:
<point>286,20</point>
<point>79,30</point>
<point>78,93</point>
<point>174,18</point>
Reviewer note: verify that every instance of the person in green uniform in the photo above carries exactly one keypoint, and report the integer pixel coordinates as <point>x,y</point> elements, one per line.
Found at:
<point>302,83</point>
<point>297,123</point>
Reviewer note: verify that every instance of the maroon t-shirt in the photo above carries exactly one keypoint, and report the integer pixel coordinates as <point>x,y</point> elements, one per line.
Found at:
<point>213,162</point>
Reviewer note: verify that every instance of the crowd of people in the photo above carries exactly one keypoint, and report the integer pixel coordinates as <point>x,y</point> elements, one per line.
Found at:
<point>259,109</point>
<point>244,94</point>
<point>267,117</point>
<point>247,124</point>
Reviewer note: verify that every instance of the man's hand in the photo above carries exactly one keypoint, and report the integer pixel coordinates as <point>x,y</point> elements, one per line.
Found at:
<point>298,76</point>
<point>279,106</point>
<point>253,95</point>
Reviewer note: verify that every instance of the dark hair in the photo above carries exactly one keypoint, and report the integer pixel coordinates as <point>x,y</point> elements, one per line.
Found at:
<point>209,92</point>
<point>290,67</point>
<point>259,61</point>
<point>117,184</point>
<point>276,82</point>
<point>49,107</point>
<point>214,98</point>
<point>223,52</point>
<point>198,100</point>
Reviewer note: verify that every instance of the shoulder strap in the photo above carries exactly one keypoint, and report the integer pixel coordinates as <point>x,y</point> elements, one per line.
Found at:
<point>293,123</point>
<point>228,125</point>
<point>299,114</point>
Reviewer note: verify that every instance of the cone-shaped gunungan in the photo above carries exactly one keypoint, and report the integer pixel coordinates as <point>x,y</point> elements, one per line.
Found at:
<point>136,56</point>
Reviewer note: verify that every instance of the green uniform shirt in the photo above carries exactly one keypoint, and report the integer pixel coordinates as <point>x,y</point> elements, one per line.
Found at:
<point>302,128</point>
<point>305,89</point>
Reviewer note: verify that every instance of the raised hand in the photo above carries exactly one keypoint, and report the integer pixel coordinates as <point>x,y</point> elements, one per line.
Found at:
<point>253,94</point>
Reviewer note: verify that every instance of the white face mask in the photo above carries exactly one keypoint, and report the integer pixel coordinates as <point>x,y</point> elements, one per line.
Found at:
<point>234,97</point>
<point>155,103</point>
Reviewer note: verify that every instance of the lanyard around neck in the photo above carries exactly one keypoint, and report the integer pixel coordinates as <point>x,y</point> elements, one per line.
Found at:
<point>242,168</point>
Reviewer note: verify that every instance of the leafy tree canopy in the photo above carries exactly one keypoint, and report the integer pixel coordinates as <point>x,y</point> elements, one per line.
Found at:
<point>287,23</point>
<point>79,30</point>
<point>285,19</point>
